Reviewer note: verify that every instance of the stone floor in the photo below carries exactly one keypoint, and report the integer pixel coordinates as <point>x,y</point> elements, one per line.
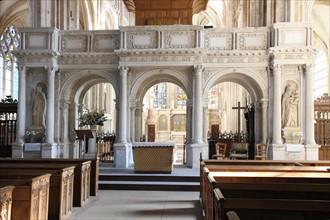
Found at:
<point>142,205</point>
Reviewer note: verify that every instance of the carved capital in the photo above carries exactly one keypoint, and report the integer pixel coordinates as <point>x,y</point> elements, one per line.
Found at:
<point>123,70</point>
<point>198,69</point>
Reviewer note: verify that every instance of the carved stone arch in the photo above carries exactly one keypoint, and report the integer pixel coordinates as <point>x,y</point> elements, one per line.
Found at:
<point>256,86</point>
<point>147,79</point>
<point>79,81</point>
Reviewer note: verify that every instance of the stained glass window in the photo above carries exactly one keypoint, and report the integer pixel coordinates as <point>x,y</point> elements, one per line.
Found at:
<point>9,41</point>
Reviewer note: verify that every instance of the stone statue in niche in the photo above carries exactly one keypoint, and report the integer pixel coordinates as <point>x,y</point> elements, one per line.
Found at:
<point>39,107</point>
<point>290,101</point>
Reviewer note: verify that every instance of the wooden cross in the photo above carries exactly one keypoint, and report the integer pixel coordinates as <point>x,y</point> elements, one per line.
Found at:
<point>239,119</point>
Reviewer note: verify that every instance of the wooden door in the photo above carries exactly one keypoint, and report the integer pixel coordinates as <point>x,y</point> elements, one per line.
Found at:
<point>151,133</point>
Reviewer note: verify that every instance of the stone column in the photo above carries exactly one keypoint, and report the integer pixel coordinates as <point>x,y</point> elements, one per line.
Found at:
<point>197,147</point>
<point>277,149</point>
<point>198,106</point>
<point>132,121</point>
<point>277,138</point>
<point>138,124</point>
<point>189,121</point>
<point>122,150</point>
<point>18,146</point>
<point>49,147</point>
<point>264,121</point>
<point>122,134</point>
<point>206,121</point>
<point>308,134</point>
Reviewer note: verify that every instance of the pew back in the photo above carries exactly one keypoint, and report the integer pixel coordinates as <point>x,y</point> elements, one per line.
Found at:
<point>30,197</point>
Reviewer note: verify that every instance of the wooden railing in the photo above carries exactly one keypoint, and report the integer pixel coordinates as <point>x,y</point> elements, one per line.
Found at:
<point>322,125</point>
<point>8,113</point>
<point>105,147</point>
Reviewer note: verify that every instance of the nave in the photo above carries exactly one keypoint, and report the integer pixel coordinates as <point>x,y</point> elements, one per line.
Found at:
<point>142,205</point>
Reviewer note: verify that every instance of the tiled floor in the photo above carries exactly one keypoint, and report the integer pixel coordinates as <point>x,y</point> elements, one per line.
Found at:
<point>142,205</point>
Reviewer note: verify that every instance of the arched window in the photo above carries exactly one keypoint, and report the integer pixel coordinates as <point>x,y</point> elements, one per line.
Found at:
<point>321,77</point>
<point>9,42</point>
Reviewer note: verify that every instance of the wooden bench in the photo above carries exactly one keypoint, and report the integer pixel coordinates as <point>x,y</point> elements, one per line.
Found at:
<point>254,187</point>
<point>6,198</point>
<point>30,197</point>
<point>246,166</point>
<point>61,185</point>
<point>81,184</point>
<point>94,167</point>
<point>205,187</point>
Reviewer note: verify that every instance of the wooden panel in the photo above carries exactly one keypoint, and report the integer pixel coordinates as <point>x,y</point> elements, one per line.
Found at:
<point>151,133</point>
<point>6,201</point>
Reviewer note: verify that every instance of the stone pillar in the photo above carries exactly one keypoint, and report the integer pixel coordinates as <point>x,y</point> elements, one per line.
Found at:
<point>308,133</point>
<point>49,148</point>
<point>277,137</point>
<point>18,146</point>
<point>206,121</point>
<point>197,147</point>
<point>264,121</point>
<point>277,151</point>
<point>138,120</point>
<point>122,150</point>
<point>132,121</point>
<point>198,106</point>
<point>189,121</point>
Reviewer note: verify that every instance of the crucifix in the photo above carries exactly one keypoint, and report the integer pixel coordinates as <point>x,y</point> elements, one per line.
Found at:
<point>239,119</point>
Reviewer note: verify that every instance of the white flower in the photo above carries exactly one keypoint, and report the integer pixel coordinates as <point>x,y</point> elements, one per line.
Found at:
<point>296,134</point>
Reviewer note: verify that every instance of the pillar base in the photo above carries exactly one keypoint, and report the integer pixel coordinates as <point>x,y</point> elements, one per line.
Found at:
<point>122,155</point>
<point>17,150</point>
<point>49,150</point>
<point>312,151</point>
<point>193,154</point>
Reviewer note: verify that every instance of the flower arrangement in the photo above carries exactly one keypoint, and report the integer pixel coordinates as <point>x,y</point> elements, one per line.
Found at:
<point>92,118</point>
<point>31,134</point>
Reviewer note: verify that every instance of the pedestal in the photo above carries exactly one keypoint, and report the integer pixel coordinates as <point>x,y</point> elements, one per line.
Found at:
<point>122,155</point>
<point>193,154</point>
<point>17,150</point>
<point>49,150</point>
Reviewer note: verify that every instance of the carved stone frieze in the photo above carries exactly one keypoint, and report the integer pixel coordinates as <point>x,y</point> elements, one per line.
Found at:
<point>179,39</point>
<point>105,43</point>
<point>252,41</point>
<point>219,41</point>
<point>74,43</point>
<point>294,54</point>
<point>236,58</point>
<point>141,40</point>
<point>88,59</point>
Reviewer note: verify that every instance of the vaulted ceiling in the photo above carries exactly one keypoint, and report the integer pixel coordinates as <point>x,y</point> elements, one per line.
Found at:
<point>165,12</point>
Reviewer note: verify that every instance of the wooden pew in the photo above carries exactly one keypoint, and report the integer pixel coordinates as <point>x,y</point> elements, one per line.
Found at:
<point>6,193</point>
<point>253,165</point>
<point>61,185</point>
<point>254,187</point>
<point>94,167</point>
<point>267,162</point>
<point>30,197</point>
<point>81,183</point>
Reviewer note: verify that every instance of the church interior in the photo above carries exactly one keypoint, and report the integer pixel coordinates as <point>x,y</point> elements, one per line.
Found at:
<point>222,101</point>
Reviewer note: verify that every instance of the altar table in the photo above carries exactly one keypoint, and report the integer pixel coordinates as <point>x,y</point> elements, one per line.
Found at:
<point>154,157</point>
